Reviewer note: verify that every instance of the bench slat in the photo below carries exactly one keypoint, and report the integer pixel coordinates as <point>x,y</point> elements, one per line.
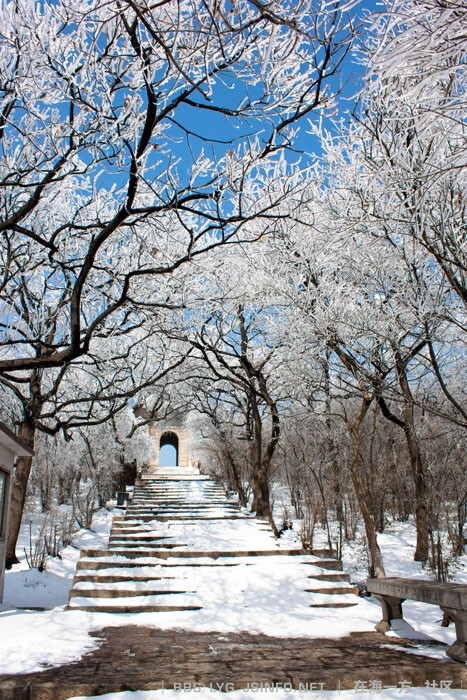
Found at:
<point>449,595</point>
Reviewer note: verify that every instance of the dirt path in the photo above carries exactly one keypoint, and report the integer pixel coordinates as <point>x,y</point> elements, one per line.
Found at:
<point>141,658</point>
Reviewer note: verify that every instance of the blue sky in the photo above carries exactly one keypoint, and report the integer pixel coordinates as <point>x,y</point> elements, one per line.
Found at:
<point>217,130</point>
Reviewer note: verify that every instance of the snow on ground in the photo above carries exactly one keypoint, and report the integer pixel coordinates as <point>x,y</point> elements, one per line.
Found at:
<point>257,693</point>
<point>30,639</point>
<point>30,588</point>
<point>262,594</point>
<point>218,535</point>
<point>397,544</point>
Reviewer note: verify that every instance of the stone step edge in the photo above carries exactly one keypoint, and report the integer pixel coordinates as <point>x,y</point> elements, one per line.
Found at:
<point>120,592</point>
<point>174,478</point>
<point>133,534</point>
<point>182,506</point>
<point>162,499</point>
<point>133,542</point>
<point>103,565</point>
<point>335,590</point>
<point>191,553</point>
<point>133,609</point>
<point>118,578</point>
<point>83,575</point>
<point>165,517</point>
<point>155,508</point>
<point>337,604</point>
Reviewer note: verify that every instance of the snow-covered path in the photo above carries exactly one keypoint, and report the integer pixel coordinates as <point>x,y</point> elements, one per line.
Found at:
<point>31,639</point>
<point>183,546</point>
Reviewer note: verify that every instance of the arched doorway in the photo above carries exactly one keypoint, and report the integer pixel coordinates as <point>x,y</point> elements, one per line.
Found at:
<point>168,449</point>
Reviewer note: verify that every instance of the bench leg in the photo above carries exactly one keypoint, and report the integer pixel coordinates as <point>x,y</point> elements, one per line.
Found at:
<point>392,610</point>
<point>458,650</point>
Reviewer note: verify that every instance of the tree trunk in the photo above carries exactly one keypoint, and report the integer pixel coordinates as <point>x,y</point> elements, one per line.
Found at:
<point>236,478</point>
<point>262,497</point>
<point>416,462</point>
<point>257,478</point>
<point>262,463</point>
<point>331,448</point>
<point>18,492</point>
<point>461,516</point>
<point>421,511</point>
<point>376,560</point>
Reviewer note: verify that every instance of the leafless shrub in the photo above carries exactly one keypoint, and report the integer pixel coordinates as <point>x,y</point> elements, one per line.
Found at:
<point>307,530</point>
<point>84,506</point>
<point>36,554</point>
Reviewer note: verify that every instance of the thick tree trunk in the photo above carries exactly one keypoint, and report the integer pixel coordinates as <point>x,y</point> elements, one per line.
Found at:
<point>376,559</point>
<point>331,449</point>
<point>262,497</point>
<point>262,463</point>
<point>421,510</point>
<point>236,480</point>
<point>461,518</point>
<point>257,478</point>
<point>259,474</point>
<point>18,492</point>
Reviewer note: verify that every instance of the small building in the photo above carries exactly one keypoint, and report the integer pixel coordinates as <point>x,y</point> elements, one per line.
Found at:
<point>11,446</point>
<point>171,432</point>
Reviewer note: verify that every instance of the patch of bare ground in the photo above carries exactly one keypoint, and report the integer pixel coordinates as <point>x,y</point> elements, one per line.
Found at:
<point>142,658</point>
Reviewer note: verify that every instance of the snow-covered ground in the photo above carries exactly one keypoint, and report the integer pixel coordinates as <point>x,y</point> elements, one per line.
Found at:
<point>31,638</point>
<point>29,588</point>
<point>218,535</point>
<point>397,543</point>
<point>257,693</point>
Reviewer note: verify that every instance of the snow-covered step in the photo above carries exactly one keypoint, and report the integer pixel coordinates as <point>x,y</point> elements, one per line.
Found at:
<point>333,564</point>
<point>157,553</point>
<point>142,544</point>
<point>190,500</point>
<point>324,600</point>
<point>88,592</point>
<point>182,506</point>
<point>154,603</point>
<point>187,502</point>
<point>161,479</point>
<point>188,513</point>
<point>180,530</point>
<point>103,576</point>
<point>195,512</point>
<point>179,503</point>
<point>143,530</point>
<point>206,516</point>
<point>129,588</point>
<point>138,539</point>
<point>334,576</point>
<point>331,587</point>
<point>180,488</point>
<point>100,564</point>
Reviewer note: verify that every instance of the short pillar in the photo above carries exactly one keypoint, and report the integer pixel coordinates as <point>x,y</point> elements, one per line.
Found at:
<point>392,610</point>
<point>458,650</point>
<point>122,498</point>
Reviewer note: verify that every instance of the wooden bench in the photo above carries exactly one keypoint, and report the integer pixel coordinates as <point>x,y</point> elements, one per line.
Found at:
<point>451,598</point>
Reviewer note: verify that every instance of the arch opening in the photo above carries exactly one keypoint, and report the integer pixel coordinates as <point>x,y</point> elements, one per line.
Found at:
<point>168,449</point>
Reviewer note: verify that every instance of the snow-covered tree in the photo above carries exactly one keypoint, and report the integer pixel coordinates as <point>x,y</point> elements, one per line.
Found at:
<point>134,138</point>
<point>412,114</point>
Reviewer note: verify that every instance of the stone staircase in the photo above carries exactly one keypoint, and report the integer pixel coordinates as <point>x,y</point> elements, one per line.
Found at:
<point>176,543</point>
